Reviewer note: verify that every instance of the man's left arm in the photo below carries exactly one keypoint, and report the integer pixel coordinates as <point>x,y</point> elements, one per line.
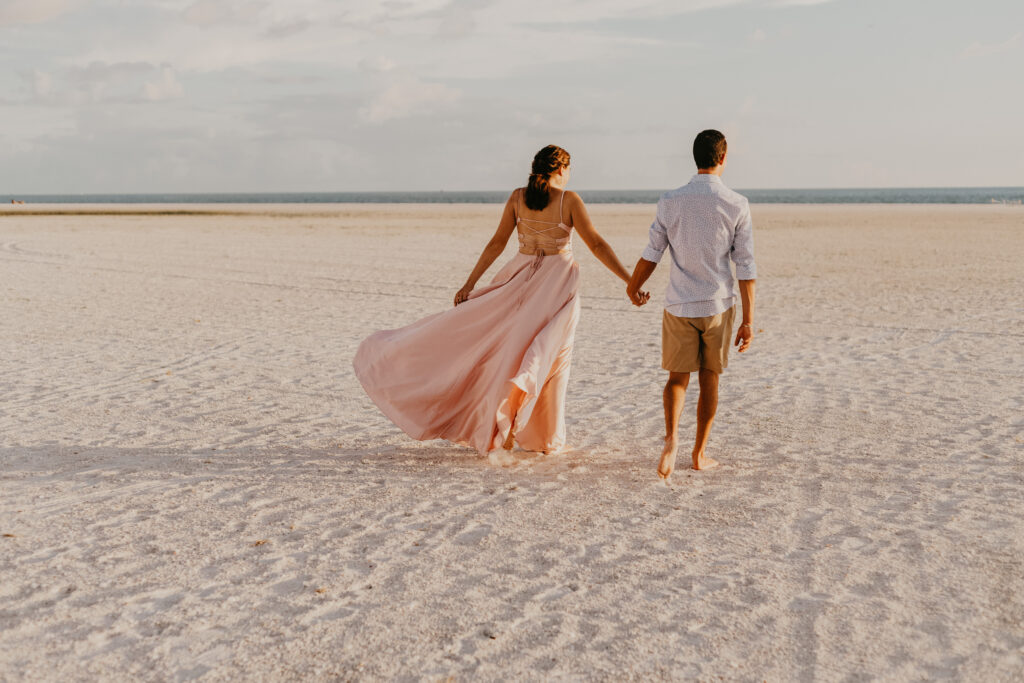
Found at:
<point>745,332</point>
<point>742,255</point>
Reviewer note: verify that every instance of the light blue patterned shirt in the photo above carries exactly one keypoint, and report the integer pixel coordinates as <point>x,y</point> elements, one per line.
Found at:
<point>704,225</point>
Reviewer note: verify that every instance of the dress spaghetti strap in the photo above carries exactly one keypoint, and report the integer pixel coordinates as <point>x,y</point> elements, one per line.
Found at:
<point>519,204</point>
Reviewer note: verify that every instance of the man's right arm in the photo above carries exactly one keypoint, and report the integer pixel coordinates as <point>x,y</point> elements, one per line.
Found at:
<point>657,242</point>
<point>641,272</point>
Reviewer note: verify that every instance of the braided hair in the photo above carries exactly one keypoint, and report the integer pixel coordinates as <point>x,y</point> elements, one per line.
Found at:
<point>545,163</point>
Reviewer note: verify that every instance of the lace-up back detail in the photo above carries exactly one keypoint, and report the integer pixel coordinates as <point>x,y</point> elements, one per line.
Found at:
<point>543,237</point>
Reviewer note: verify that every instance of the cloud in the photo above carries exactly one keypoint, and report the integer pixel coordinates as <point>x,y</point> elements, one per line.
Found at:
<point>102,82</point>
<point>165,87</point>
<point>125,82</point>
<point>375,11</point>
<point>213,35</point>
<point>17,12</point>
<point>284,29</point>
<point>408,98</point>
<point>376,64</point>
<point>575,11</point>
<point>747,106</point>
<point>42,82</point>
<point>213,12</point>
<point>202,89</point>
<point>799,3</point>
<point>104,72</point>
<point>988,49</point>
<point>458,19</point>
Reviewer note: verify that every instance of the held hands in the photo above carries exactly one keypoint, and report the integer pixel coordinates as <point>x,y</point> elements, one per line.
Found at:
<point>462,295</point>
<point>641,271</point>
<point>638,297</point>
<point>744,335</point>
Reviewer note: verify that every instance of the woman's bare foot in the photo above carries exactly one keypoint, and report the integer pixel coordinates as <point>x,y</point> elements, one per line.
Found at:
<point>668,458</point>
<point>702,462</point>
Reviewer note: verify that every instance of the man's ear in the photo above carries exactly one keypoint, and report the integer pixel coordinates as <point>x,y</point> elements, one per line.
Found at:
<point>724,157</point>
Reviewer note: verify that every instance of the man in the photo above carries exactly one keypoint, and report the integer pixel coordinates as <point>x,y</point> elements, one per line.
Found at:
<point>704,225</point>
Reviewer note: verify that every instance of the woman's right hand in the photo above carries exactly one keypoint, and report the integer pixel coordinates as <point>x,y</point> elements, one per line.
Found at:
<point>462,295</point>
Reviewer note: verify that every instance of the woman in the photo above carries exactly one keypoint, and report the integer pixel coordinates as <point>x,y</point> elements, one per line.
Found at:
<point>493,370</point>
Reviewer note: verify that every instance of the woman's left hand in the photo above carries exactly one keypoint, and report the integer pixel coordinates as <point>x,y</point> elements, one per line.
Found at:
<point>462,295</point>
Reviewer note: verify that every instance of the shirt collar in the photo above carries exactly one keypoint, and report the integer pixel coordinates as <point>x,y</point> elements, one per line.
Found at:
<point>705,178</point>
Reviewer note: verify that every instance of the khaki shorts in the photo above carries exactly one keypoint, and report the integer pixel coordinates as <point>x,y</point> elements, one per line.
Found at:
<point>689,344</point>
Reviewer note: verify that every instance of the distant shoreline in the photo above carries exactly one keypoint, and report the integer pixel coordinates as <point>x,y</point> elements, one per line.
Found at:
<point>403,211</point>
<point>963,195</point>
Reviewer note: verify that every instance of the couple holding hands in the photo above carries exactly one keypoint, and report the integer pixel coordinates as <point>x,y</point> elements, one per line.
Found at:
<point>493,370</point>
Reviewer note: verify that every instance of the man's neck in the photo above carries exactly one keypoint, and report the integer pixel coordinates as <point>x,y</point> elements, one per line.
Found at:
<point>717,170</point>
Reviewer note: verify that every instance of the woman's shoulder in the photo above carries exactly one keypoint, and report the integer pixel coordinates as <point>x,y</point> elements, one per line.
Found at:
<point>572,199</point>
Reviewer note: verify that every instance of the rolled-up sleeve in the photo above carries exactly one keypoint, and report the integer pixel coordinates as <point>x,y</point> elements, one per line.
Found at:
<point>742,252</point>
<point>658,239</point>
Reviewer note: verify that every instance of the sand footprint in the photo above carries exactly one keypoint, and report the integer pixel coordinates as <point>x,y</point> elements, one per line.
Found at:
<point>473,536</point>
<point>556,593</point>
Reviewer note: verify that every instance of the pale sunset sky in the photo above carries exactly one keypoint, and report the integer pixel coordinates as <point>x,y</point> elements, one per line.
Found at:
<point>119,96</point>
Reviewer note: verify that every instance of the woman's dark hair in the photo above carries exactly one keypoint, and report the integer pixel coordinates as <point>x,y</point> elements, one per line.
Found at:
<point>709,148</point>
<point>545,163</point>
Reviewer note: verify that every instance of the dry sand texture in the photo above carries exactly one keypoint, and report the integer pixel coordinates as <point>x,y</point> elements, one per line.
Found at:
<point>192,481</point>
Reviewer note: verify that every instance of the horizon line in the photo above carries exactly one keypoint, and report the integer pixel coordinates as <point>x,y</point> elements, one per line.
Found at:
<point>492,191</point>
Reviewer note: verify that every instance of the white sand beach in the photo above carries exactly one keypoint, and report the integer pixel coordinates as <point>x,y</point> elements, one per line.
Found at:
<point>194,485</point>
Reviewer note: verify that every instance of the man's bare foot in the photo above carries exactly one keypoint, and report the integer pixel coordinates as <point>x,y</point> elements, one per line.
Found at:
<point>702,462</point>
<point>668,458</point>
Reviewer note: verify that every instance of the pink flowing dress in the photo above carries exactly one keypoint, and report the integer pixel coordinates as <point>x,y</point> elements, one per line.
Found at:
<point>494,366</point>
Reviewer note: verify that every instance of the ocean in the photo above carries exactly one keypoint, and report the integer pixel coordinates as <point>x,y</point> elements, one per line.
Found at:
<point>924,195</point>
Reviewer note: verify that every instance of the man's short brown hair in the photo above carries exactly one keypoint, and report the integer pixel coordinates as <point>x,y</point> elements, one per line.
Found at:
<point>709,148</point>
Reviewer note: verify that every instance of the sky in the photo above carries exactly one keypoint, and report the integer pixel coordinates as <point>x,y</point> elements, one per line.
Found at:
<point>122,96</point>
